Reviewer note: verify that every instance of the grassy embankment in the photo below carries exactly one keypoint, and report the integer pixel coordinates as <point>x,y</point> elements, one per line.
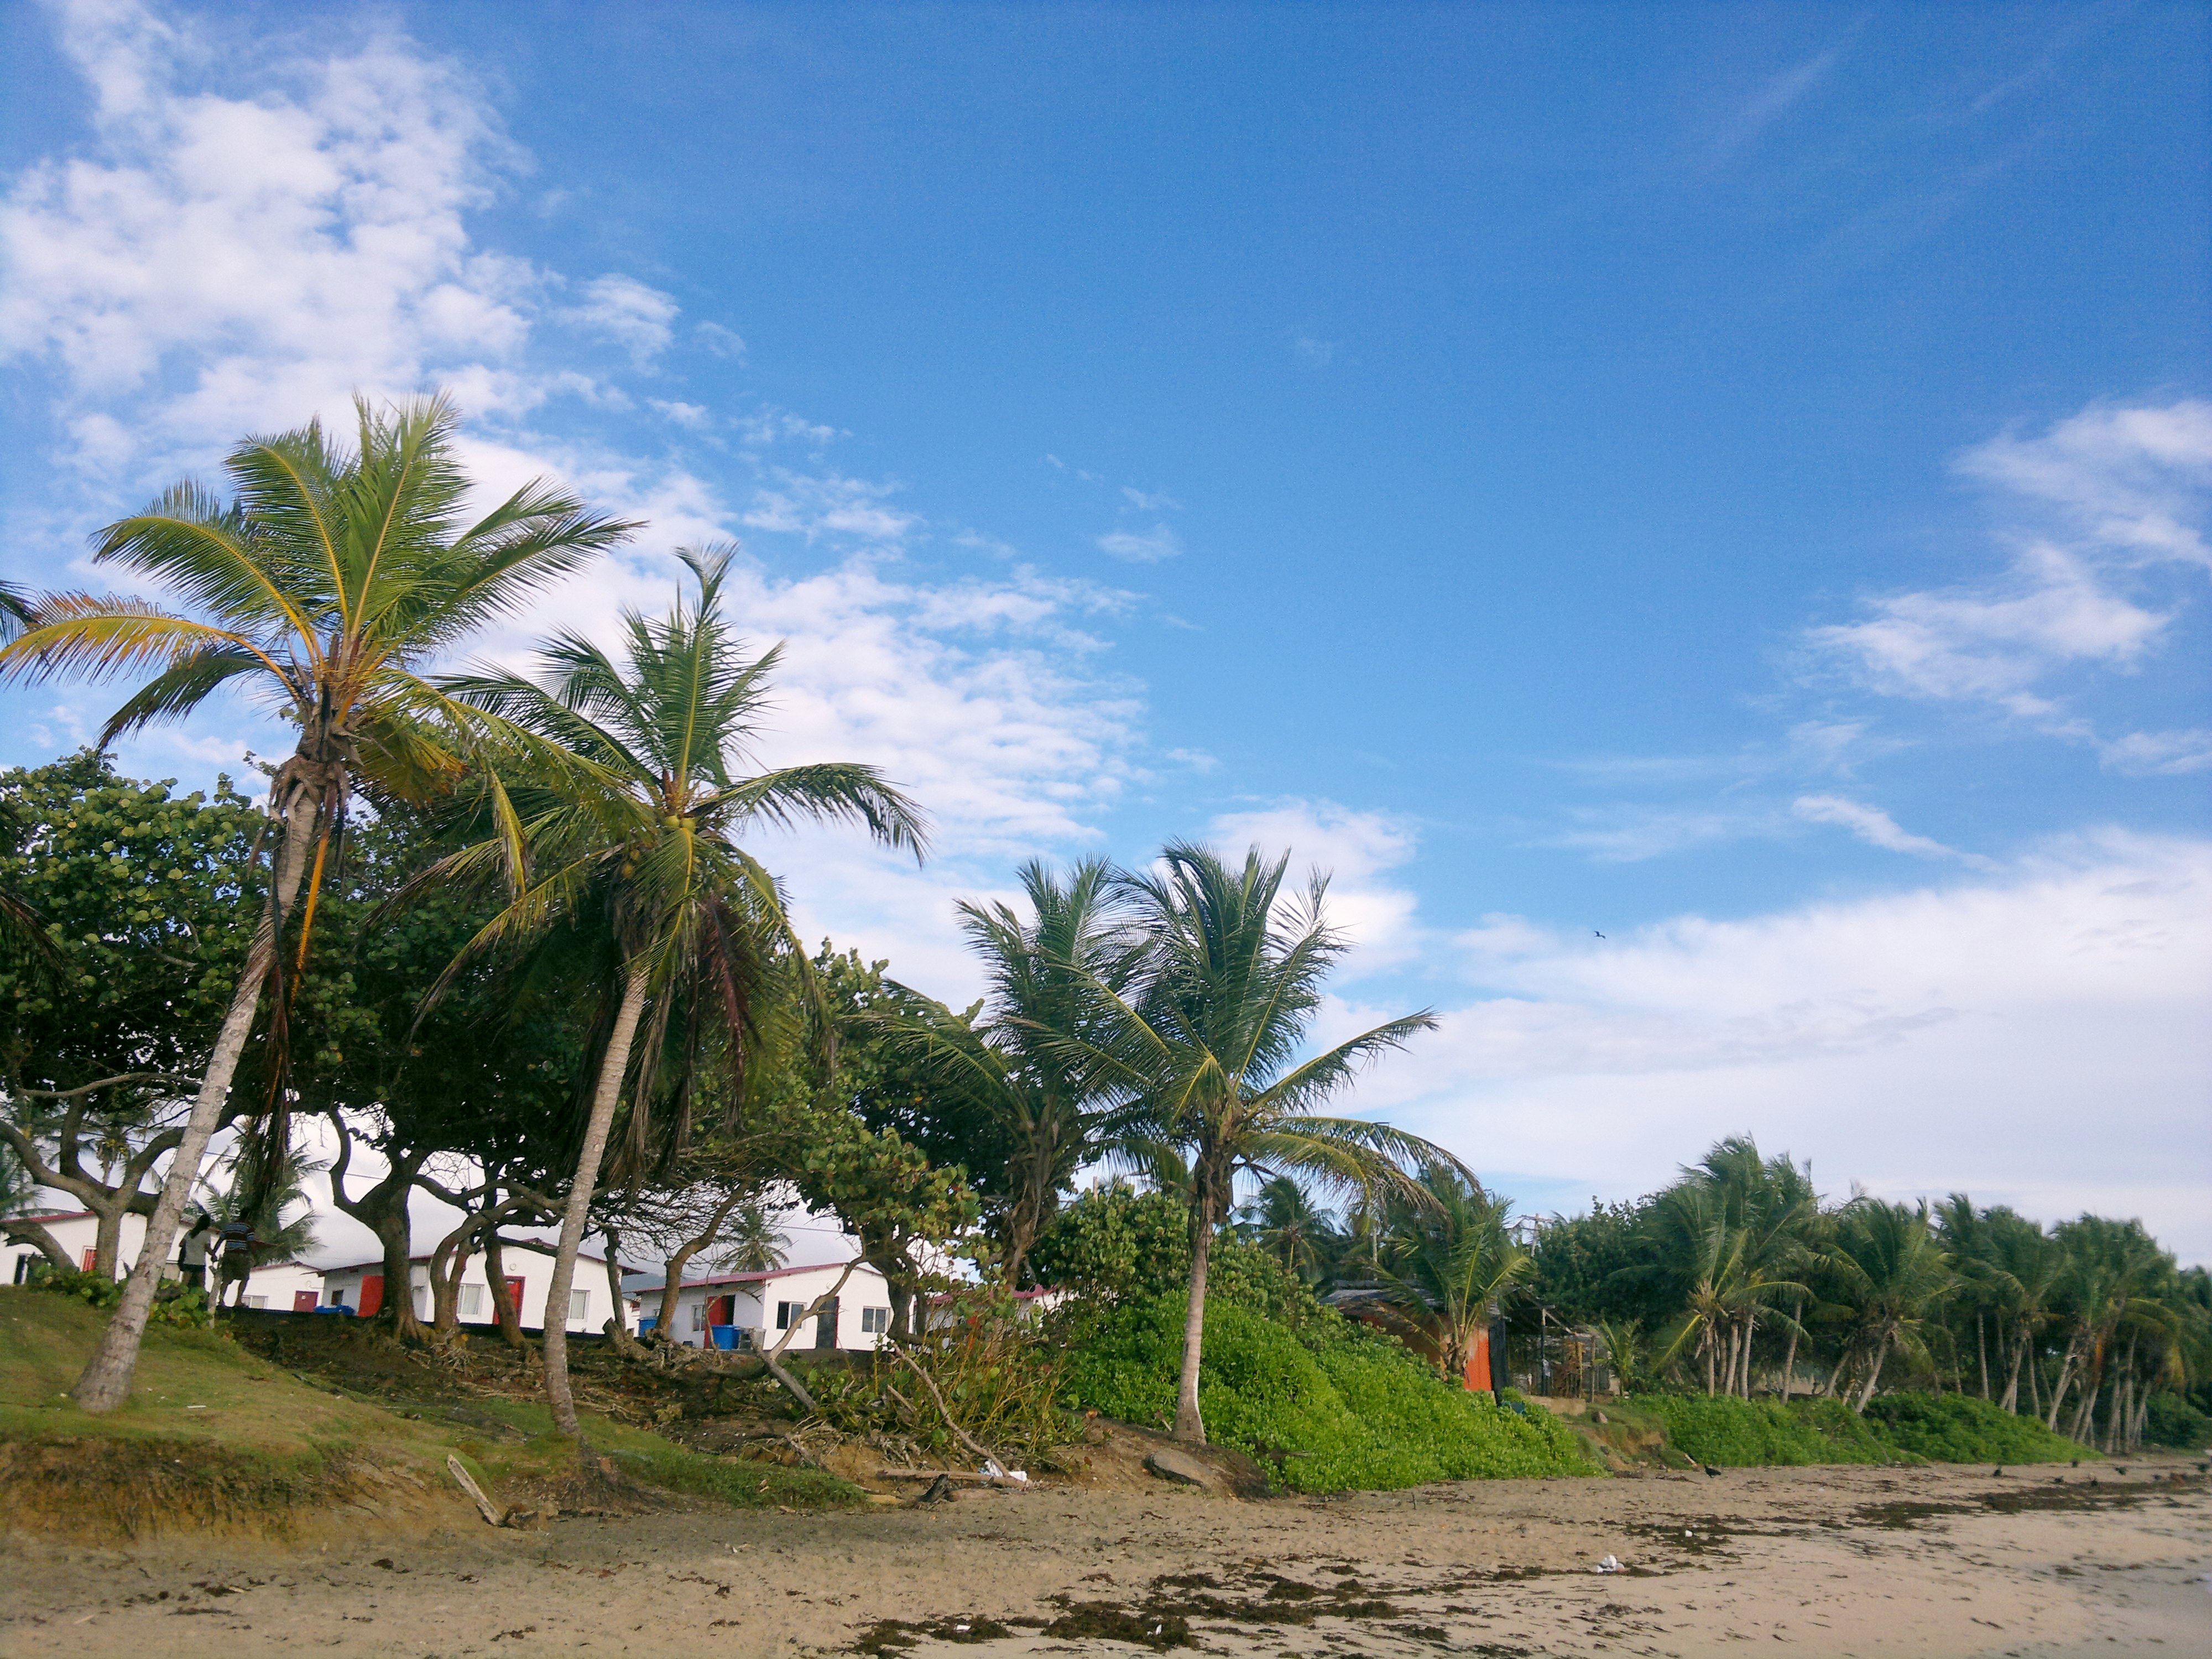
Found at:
<point>1326,1404</point>
<point>216,1437</point>
<point>1902,1428</point>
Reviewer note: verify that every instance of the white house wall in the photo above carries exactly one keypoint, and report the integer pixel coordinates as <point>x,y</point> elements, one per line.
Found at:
<point>535,1271</point>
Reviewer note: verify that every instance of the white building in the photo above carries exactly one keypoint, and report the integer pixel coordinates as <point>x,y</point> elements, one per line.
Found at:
<point>529,1276</point>
<point>275,1285</point>
<point>753,1310</point>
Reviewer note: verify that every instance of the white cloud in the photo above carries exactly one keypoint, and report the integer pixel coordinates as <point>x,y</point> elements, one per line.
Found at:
<point>1159,503</point>
<point>2036,1036</point>
<point>638,317</point>
<point>1141,547</point>
<point>2110,505</point>
<point>1873,826</point>
<point>1357,851</point>
<point>722,342</point>
<point>1312,353</point>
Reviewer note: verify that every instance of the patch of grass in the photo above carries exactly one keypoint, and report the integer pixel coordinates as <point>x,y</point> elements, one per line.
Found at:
<point>1730,1433</point>
<point>1953,1428</point>
<point>1330,1408</point>
<point>739,1484</point>
<point>214,1436</point>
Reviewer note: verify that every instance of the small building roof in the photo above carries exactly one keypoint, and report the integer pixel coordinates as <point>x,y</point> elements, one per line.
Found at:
<point>863,1269</point>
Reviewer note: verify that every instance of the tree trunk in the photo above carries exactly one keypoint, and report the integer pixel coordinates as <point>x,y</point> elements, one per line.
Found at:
<point>1189,1426</point>
<point>664,1326</point>
<point>1874,1374</point>
<point>502,1305</point>
<point>1711,1387</point>
<point>106,1382</point>
<point>1789,1358</point>
<point>383,1210</point>
<point>35,1234</point>
<point>615,1286</point>
<point>614,1067</point>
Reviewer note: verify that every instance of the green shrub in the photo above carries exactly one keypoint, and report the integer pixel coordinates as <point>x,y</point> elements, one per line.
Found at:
<point>1952,1428</point>
<point>1330,1407</point>
<point>1114,1243</point>
<point>2174,1422</point>
<point>1731,1433</point>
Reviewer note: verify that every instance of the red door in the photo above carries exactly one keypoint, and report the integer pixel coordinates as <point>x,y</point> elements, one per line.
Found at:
<point>304,1300</point>
<point>515,1297</point>
<point>90,1256</point>
<point>372,1294</point>
<point>1478,1363</point>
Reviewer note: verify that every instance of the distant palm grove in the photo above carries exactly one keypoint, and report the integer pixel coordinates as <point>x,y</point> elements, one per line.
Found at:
<point>505,939</point>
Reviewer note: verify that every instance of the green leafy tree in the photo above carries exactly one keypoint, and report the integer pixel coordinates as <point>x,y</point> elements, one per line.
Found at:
<point>634,861</point>
<point>1890,1276</point>
<point>1283,1220</point>
<point>104,1025</point>
<point>1202,1046</point>
<point>322,585</point>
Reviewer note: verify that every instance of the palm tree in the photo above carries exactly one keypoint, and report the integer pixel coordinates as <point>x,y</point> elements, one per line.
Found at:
<point>1012,1068</point>
<point>1450,1261</point>
<point>251,1209</point>
<point>1202,1045</point>
<point>1283,1220</point>
<point>1894,1275</point>
<point>635,855</point>
<point>323,585</point>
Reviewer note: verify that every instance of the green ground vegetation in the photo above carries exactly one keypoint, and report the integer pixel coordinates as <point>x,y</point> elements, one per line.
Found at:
<point>214,1435</point>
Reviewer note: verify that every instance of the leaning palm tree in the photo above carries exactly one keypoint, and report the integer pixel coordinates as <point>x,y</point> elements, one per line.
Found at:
<point>1448,1262</point>
<point>1202,1045</point>
<point>1011,1067</point>
<point>323,585</point>
<point>635,855</point>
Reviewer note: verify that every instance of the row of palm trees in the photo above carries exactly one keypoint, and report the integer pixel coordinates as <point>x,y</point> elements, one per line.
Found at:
<point>601,806</point>
<point>2078,1324</point>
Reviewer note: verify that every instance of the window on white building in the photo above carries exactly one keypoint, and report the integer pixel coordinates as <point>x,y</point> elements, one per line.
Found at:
<point>698,1317</point>
<point>257,1301</point>
<point>787,1312</point>
<point>580,1306</point>
<point>875,1322</point>
<point>473,1301</point>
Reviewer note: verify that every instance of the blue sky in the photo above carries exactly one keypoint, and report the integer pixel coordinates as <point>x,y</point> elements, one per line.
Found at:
<point>1730,479</point>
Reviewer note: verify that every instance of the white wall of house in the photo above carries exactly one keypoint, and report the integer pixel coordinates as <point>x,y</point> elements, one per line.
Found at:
<point>282,1287</point>
<point>763,1305</point>
<point>588,1298</point>
<point>77,1233</point>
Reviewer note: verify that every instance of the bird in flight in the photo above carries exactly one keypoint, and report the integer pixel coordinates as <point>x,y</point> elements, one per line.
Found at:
<point>1595,934</point>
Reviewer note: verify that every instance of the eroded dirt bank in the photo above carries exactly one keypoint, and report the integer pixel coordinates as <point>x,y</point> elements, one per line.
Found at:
<point>1832,1561</point>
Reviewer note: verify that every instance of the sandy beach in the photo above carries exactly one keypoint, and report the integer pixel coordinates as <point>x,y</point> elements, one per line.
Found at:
<point>1824,1561</point>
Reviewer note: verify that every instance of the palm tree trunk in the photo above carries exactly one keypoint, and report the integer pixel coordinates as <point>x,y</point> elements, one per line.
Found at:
<point>106,1382</point>
<point>1789,1359</point>
<point>1874,1374</point>
<point>614,1066</point>
<point>1981,1350</point>
<point>1188,1425</point>
<point>1711,1388</point>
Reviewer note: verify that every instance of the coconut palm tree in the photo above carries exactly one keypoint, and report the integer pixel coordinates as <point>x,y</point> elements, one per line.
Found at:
<point>322,585</point>
<point>1202,1045</point>
<point>1283,1220</point>
<point>1012,1066</point>
<point>1894,1275</point>
<point>634,859</point>
<point>1450,1261</point>
<point>251,1210</point>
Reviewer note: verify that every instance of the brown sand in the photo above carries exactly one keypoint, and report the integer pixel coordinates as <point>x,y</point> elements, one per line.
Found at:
<point>1828,1561</point>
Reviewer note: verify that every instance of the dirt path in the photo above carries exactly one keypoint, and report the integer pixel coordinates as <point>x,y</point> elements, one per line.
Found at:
<point>1832,1561</point>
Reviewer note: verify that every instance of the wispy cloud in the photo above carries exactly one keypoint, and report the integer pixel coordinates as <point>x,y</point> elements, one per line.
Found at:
<point>1141,546</point>
<point>1875,827</point>
<point>2105,510</point>
<point>1776,99</point>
